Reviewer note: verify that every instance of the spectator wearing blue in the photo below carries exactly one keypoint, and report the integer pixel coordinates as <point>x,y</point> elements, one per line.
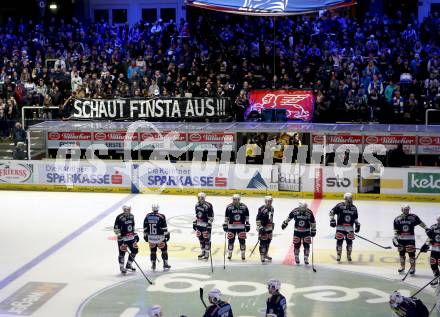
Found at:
<point>409,36</point>
<point>372,45</point>
<point>398,106</point>
<point>376,84</point>
<point>371,69</point>
<point>132,69</point>
<point>416,65</point>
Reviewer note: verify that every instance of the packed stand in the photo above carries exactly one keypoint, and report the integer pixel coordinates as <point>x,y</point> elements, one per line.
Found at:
<point>378,69</point>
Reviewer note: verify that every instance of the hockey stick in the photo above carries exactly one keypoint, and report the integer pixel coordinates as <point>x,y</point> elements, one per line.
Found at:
<point>135,262</point>
<point>425,286</point>
<point>412,265</point>
<point>380,246</point>
<point>201,298</point>
<point>313,256</point>
<point>437,290</point>
<point>224,254</point>
<point>210,255</point>
<point>432,309</point>
<point>252,252</point>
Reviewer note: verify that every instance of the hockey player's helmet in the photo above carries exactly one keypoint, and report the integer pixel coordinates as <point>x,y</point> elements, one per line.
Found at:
<point>405,209</point>
<point>274,284</point>
<point>155,311</point>
<point>155,207</point>
<point>126,208</point>
<point>302,205</point>
<point>348,197</point>
<point>201,196</point>
<point>214,294</point>
<point>396,299</point>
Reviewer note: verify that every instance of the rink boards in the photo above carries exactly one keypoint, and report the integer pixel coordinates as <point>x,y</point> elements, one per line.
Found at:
<point>280,180</point>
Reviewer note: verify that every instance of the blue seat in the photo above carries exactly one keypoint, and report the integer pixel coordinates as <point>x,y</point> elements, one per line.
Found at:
<point>280,115</point>
<point>268,115</point>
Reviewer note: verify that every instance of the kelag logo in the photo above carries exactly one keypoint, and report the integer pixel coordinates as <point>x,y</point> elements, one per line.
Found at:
<point>424,183</point>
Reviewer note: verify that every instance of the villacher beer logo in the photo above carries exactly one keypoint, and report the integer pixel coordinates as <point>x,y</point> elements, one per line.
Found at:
<point>391,139</point>
<point>425,140</point>
<point>372,139</point>
<point>70,135</point>
<point>54,135</point>
<point>338,139</point>
<point>195,137</point>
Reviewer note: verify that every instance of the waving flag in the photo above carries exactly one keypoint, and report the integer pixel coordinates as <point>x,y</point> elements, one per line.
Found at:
<point>269,7</point>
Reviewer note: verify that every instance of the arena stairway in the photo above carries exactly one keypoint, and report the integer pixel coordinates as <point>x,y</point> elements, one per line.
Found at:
<point>6,149</point>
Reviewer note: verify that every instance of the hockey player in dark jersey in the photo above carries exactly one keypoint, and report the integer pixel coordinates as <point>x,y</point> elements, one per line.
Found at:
<point>236,224</point>
<point>433,241</point>
<point>202,225</point>
<point>127,238</point>
<point>157,235</point>
<point>405,239</point>
<point>305,229</point>
<point>276,304</point>
<point>265,228</point>
<point>346,225</point>
<point>218,308</point>
<point>407,306</point>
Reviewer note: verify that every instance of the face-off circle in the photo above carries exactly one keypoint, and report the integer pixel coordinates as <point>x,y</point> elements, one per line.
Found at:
<point>337,293</point>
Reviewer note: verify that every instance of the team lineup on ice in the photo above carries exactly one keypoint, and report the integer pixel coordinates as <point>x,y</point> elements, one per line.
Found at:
<point>301,260</point>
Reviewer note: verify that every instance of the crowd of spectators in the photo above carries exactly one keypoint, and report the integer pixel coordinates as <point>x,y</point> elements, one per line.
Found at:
<point>256,145</point>
<point>371,69</point>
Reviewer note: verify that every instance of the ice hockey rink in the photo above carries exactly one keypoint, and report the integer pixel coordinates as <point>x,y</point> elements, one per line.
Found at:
<point>59,258</point>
